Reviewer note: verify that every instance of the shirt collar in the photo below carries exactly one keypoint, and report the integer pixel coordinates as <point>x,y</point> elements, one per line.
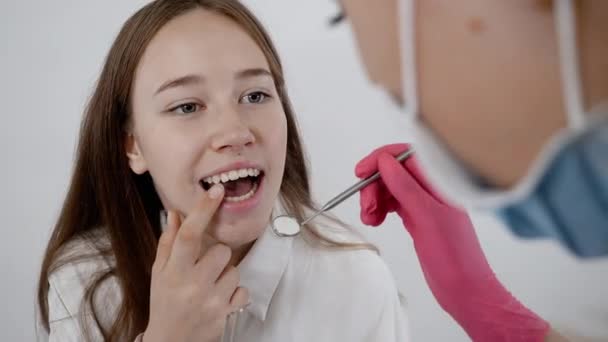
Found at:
<point>262,269</point>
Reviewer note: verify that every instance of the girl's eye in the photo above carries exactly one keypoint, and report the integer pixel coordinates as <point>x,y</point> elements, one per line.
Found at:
<point>255,97</point>
<point>186,108</point>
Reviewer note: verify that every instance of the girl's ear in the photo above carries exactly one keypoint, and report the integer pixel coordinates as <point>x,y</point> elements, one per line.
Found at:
<point>137,161</point>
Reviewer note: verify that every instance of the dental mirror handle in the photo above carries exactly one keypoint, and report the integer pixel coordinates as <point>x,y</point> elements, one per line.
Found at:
<point>354,188</point>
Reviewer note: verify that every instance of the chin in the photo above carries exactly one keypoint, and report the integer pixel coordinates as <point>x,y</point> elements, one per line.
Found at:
<point>237,236</point>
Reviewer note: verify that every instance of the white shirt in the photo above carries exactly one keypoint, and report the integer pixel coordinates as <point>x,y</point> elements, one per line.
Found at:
<point>298,293</point>
<point>305,293</point>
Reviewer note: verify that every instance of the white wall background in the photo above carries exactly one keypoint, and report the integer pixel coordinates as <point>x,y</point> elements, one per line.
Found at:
<point>50,54</point>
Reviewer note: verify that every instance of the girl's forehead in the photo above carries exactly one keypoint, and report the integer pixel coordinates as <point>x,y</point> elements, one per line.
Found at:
<point>201,42</point>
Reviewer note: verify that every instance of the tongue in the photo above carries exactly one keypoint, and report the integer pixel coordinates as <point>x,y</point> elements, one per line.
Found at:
<point>238,187</point>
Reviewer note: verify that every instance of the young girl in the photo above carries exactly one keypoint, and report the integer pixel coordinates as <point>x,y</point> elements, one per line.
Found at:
<point>191,115</point>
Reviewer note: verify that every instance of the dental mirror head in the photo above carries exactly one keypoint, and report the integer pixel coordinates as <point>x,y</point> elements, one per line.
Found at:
<point>285,226</point>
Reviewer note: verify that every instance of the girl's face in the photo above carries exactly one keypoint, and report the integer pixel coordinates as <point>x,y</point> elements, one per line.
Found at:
<point>205,110</point>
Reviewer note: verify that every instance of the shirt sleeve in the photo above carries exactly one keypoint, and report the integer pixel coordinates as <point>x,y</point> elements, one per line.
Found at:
<point>393,323</point>
<point>65,294</point>
<point>70,319</point>
<point>380,309</point>
<point>369,305</point>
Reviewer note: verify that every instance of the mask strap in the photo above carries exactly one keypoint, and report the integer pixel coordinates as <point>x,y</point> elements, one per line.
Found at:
<point>407,40</point>
<point>565,25</point>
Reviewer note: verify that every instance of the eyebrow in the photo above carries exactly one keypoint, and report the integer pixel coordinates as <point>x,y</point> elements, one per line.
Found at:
<point>180,82</point>
<point>254,72</point>
<point>194,79</point>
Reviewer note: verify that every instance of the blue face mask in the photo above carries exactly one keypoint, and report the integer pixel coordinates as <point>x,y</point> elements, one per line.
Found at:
<point>570,201</point>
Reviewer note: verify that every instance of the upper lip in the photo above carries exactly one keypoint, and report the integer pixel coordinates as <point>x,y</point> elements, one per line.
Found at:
<point>234,166</point>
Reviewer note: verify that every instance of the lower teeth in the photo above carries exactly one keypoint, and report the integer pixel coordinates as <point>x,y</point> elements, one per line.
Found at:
<point>244,197</point>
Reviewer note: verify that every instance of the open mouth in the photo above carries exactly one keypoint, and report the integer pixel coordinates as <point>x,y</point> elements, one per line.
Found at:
<point>239,185</point>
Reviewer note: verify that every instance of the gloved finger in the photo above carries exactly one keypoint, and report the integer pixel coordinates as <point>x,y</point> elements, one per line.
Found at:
<point>402,185</point>
<point>370,196</point>
<point>372,211</point>
<point>369,164</point>
<point>376,202</point>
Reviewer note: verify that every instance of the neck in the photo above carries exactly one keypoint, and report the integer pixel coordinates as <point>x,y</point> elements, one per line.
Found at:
<point>239,253</point>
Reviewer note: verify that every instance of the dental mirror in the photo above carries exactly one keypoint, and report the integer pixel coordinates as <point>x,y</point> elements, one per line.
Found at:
<point>287,226</point>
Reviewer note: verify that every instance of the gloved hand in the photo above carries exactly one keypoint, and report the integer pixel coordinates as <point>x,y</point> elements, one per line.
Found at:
<point>448,250</point>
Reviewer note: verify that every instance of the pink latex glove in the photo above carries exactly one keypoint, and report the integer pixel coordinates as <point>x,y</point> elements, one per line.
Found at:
<point>449,253</point>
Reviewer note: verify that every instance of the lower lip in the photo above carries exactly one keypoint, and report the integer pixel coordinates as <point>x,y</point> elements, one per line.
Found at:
<point>243,207</point>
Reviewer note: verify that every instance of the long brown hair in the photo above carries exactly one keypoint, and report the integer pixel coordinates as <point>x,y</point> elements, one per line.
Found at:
<point>104,193</point>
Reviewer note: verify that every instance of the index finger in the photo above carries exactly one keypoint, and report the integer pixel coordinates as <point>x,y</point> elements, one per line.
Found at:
<point>165,243</point>
<point>189,240</point>
<point>369,164</point>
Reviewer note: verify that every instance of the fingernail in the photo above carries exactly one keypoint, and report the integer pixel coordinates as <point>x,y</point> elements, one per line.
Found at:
<point>170,215</point>
<point>242,308</point>
<point>369,205</point>
<point>164,219</point>
<point>216,191</point>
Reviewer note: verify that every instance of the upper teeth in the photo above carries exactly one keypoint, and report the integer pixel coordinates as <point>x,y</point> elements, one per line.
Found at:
<point>232,175</point>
